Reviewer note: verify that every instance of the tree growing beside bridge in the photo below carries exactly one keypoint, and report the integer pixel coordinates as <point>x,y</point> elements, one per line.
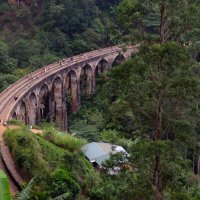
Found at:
<point>156,101</point>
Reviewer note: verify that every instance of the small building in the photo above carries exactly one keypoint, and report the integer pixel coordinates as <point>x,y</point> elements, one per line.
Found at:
<point>98,152</point>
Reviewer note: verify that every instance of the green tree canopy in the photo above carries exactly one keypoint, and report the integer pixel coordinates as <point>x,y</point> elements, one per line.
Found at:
<point>169,19</point>
<point>154,97</point>
<point>7,64</point>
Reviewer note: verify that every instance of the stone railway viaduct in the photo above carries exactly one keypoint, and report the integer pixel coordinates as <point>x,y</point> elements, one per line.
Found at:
<point>54,90</point>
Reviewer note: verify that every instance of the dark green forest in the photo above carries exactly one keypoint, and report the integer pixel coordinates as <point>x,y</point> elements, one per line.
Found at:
<point>149,104</point>
<point>33,36</point>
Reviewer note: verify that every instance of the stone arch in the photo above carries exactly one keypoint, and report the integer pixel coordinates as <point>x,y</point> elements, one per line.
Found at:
<point>32,109</point>
<point>14,115</point>
<point>57,97</point>
<point>44,105</point>
<point>23,112</point>
<point>86,80</point>
<point>72,91</point>
<point>118,60</point>
<point>101,67</point>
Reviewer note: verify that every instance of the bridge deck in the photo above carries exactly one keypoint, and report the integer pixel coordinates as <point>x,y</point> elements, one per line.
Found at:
<point>23,85</point>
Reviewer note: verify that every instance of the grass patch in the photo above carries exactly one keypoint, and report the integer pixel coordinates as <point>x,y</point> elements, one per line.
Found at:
<point>63,140</point>
<point>36,127</point>
<point>15,122</point>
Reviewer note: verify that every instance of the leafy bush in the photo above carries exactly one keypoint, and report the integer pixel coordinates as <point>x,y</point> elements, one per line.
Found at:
<point>114,137</point>
<point>88,122</point>
<point>85,130</point>
<point>62,181</point>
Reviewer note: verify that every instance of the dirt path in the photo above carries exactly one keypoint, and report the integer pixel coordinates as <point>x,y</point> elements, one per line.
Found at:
<point>37,131</point>
<point>2,129</point>
<point>13,188</point>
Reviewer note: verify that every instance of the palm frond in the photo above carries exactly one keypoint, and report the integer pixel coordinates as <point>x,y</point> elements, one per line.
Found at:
<point>26,193</point>
<point>62,197</point>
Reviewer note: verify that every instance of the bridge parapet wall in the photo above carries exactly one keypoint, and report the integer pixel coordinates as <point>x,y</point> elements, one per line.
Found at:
<point>54,90</point>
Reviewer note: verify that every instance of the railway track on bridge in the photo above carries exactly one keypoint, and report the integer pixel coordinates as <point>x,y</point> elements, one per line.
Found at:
<point>22,86</point>
<point>7,97</point>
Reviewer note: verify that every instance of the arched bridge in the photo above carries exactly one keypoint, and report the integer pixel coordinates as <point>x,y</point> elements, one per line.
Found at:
<point>54,90</point>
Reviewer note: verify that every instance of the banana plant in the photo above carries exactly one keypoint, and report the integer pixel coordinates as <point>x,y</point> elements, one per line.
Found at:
<point>4,187</point>
<point>26,193</point>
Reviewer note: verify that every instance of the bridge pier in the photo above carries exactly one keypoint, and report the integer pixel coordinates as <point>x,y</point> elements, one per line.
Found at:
<point>71,92</point>
<point>38,116</point>
<point>54,91</point>
<point>64,126</point>
<point>59,116</point>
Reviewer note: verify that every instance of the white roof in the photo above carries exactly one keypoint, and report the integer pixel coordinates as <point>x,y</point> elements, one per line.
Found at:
<point>99,151</point>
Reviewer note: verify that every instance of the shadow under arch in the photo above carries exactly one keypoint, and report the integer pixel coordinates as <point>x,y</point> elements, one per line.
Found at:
<point>101,67</point>
<point>44,103</point>
<point>14,115</point>
<point>118,60</point>
<point>23,113</point>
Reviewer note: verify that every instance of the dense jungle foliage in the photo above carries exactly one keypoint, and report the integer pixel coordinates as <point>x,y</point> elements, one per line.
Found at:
<point>149,104</point>
<point>32,36</point>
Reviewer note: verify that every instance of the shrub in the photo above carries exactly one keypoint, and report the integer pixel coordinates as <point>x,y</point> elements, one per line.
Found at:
<point>62,181</point>
<point>114,137</point>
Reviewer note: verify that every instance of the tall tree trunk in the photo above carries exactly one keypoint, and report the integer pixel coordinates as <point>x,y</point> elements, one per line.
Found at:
<point>198,171</point>
<point>158,120</point>
<point>159,180</point>
<point>162,23</point>
<point>158,168</point>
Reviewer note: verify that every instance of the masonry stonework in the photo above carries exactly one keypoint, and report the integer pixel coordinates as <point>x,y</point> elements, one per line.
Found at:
<point>55,90</point>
